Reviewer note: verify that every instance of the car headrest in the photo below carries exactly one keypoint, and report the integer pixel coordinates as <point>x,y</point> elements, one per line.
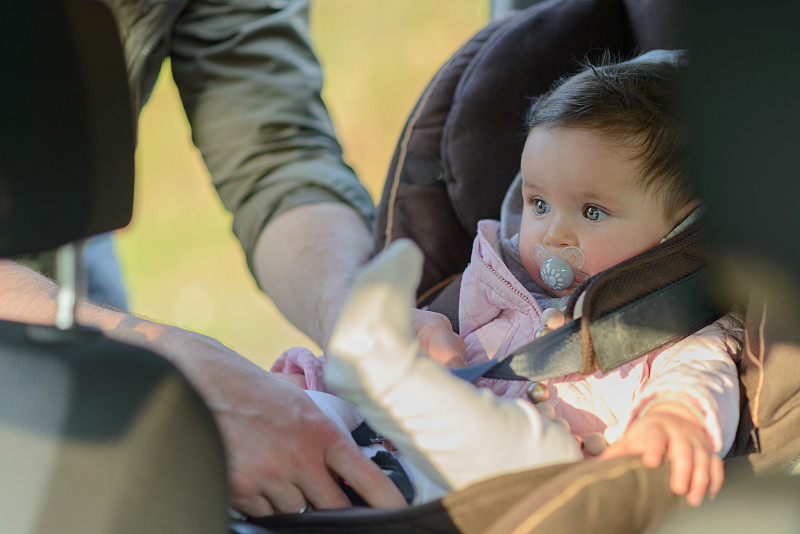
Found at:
<point>67,127</point>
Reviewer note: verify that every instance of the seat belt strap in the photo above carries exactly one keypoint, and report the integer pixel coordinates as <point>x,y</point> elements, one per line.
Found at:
<point>619,336</point>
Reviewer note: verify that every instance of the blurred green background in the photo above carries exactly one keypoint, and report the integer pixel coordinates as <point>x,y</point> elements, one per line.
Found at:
<point>180,261</point>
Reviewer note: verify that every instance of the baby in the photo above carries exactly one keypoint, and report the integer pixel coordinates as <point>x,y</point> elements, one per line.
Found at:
<point>603,178</point>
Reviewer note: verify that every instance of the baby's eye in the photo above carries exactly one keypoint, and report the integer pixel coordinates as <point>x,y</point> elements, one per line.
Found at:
<point>593,213</point>
<point>540,207</point>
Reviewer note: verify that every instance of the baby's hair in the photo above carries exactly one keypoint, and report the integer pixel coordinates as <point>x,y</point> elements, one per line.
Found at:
<point>636,103</point>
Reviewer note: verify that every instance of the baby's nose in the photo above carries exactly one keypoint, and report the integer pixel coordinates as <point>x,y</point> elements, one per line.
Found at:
<point>559,234</point>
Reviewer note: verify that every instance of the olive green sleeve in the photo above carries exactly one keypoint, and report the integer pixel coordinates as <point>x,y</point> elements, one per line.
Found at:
<point>251,84</point>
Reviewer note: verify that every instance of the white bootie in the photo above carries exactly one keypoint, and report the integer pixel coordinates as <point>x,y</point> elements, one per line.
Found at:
<point>454,432</point>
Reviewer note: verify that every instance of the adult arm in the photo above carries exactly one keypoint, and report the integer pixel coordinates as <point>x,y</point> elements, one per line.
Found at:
<point>328,243</point>
<point>306,259</point>
<point>282,451</point>
<point>251,86</point>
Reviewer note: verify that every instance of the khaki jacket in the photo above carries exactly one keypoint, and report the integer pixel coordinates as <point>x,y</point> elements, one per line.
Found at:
<point>250,85</point>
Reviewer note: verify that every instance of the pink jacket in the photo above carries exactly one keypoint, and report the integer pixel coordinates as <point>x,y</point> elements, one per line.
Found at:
<point>497,315</point>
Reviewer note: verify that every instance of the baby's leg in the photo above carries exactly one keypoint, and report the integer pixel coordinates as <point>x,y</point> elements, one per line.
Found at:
<point>454,432</point>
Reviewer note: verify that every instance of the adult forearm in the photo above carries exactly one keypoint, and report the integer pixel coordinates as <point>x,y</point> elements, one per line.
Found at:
<point>305,261</point>
<point>28,297</point>
<point>282,451</point>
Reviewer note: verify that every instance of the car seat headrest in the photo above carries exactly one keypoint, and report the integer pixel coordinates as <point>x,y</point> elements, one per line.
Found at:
<point>68,136</point>
<point>461,146</point>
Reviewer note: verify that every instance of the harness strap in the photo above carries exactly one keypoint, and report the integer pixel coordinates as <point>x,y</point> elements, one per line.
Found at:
<point>391,467</point>
<point>619,336</point>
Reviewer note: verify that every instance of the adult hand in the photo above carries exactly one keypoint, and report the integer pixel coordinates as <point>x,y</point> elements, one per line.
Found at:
<point>437,339</point>
<point>672,430</point>
<point>283,452</point>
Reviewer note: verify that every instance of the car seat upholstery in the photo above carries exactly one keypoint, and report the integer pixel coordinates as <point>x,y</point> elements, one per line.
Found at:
<point>460,147</point>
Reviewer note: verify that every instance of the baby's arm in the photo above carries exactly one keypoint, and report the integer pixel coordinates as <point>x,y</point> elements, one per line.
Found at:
<point>688,410</point>
<point>674,431</point>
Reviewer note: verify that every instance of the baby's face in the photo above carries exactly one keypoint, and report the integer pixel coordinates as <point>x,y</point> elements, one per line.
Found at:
<point>583,191</point>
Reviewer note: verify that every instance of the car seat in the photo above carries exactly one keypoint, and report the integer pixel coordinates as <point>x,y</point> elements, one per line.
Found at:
<point>96,437</point>
<point>459,150</point>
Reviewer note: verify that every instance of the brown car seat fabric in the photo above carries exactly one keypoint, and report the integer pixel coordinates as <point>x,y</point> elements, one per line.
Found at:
<point>460,148</point>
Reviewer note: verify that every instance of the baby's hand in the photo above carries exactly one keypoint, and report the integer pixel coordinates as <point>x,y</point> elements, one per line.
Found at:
<point>673,430</point>
<point>437,339</point>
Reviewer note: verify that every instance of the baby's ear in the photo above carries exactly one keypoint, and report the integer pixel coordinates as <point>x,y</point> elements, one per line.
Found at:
<point>687,208</point>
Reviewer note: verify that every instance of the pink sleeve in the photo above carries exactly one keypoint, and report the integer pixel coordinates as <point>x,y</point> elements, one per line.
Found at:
<point>701,370</point>
<point>301,361</point>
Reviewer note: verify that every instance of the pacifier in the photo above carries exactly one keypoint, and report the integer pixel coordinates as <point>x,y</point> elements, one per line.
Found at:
<point>558,271</point>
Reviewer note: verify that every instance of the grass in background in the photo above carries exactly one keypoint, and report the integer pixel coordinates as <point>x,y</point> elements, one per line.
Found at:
<point>181,263</point>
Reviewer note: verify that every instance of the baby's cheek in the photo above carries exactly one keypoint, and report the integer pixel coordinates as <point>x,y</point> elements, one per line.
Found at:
<point>600,260</point>
<point>531,266</point>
